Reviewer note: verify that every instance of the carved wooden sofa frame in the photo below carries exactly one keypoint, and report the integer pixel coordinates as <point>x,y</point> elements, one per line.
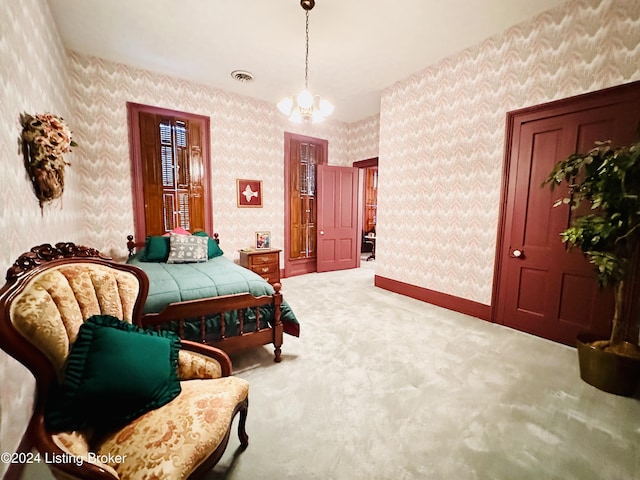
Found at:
<point>196,361</point>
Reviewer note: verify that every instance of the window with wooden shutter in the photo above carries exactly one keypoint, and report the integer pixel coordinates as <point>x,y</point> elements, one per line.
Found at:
<point>304,157</point>
<point>171,181</point>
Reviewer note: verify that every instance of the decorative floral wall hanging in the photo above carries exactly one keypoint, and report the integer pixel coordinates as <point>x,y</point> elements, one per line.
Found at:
<point>45,138</point>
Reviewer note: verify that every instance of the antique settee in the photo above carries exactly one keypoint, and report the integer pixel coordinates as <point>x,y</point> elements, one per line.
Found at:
<point>113,401</point>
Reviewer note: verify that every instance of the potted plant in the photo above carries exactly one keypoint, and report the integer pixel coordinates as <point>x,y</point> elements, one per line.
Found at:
<point>605,183</point>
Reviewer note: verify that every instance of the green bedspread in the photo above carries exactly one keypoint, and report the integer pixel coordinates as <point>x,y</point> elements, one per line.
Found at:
<point>218,276</point>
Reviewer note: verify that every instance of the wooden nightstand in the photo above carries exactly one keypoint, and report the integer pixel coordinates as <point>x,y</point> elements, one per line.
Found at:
<point>265,263</point>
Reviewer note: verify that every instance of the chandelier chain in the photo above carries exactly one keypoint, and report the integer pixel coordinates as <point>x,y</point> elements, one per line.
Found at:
<point>304,106</point>
<point>306,55</point>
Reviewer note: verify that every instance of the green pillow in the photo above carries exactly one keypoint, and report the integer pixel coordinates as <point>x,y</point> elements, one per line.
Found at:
<point>115,373</point>
<point>213,249</point>
<point>156,249</point>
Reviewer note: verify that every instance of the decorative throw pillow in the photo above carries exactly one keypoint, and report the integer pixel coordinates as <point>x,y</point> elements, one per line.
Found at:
<point>213,249</point>
<point>187,249</point>
<point>115,373</point>
<point>156,249</point>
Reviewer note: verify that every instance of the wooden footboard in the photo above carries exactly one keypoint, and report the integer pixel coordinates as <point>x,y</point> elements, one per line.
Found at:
<point>200,310</point>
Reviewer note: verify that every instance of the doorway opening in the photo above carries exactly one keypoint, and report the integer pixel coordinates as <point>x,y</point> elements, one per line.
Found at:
<point>369,216</point>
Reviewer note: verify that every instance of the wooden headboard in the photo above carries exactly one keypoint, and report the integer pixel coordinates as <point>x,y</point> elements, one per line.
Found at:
<point>133,246</point>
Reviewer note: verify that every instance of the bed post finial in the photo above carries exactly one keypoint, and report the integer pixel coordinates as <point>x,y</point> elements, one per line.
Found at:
<point>131,245</point>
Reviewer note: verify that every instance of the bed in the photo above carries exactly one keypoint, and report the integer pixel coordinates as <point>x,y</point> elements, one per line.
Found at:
<point>213,301</point>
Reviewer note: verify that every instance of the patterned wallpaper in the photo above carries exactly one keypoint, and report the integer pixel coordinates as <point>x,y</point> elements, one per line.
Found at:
<point>247,141</point>
<point>439,138</point>
<point>363,139</point>
<point>34,80</point>
<point>442,137</point>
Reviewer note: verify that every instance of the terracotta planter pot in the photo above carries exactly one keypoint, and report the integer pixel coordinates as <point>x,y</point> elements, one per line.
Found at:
<point>607,371</point>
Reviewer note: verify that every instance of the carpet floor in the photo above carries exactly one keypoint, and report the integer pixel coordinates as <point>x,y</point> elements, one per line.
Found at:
<point>381,386</point>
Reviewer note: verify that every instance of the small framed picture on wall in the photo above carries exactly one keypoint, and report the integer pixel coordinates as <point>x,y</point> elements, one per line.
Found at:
<point>249,193</point>
<point>263,240</point>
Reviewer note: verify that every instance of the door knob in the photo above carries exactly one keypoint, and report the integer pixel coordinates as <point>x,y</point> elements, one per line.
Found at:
<point>517,253</point>
<point>321,232</point>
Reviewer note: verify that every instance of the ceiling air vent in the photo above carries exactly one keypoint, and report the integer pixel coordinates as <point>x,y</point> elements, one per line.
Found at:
<point>242,76</point>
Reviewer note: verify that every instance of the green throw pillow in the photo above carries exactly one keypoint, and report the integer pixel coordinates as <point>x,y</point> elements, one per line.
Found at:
<point>213,249</point>
<point>115,373</point>
<point>156,249</point>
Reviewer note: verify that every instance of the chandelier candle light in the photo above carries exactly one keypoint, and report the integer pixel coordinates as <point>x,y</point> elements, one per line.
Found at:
<point>305,106</point>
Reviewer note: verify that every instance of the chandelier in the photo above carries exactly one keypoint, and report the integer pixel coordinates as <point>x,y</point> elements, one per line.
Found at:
<point>305,106</point>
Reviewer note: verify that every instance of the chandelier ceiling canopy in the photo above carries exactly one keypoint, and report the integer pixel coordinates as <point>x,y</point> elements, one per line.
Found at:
<point>304,106</point>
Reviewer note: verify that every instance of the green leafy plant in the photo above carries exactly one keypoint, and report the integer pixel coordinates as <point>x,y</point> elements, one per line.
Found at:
<point>604,183</point>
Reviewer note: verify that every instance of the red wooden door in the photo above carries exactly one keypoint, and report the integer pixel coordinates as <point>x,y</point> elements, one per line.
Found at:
<point>337,229</point>
<point>543,289</point>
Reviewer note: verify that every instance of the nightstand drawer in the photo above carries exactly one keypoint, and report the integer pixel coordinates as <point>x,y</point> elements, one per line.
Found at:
<point>272,278</point>
<point>265,268</point>
<point>263,258</point>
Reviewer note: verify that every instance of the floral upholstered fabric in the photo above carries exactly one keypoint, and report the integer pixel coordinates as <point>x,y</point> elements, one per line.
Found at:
<point>77,444</point>
<point>172,441</point>
<point>52,307</point>
<point>167,443</point>
<point>193,365</point>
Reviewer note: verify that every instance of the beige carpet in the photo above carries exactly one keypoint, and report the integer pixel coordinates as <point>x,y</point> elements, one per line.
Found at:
<point>380,386</point>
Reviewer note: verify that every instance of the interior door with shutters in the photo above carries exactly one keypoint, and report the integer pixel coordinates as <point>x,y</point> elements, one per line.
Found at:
<point>543,288</point>
<point>337,229</point>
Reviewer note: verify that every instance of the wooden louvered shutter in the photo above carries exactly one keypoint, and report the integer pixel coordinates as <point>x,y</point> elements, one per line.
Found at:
<point>168,165</point>
<point>308,167</point>
<point>173,171</point>
<point>152,173</point>
<point>295,199</point>
<point>196,173</point>
<point>182,174</point>
<point>304,158</point>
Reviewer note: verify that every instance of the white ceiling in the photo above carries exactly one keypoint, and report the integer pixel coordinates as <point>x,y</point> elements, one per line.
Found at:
<point>356,47</point>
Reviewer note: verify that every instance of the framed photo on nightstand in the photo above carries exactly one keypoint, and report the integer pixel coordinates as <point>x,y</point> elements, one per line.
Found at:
<point>263,240</point>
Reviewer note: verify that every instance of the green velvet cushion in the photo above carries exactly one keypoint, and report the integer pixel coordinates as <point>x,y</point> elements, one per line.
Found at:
<point>115,373</point>
<point>213,249</point>
<point>156,249</point>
